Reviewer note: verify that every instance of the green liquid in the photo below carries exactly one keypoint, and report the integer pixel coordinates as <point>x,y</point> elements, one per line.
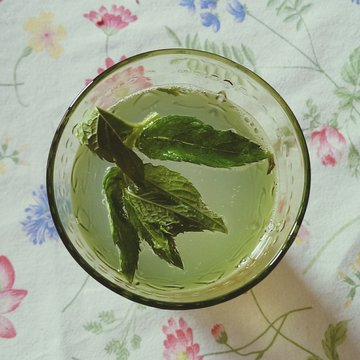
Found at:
<point>243,196</point>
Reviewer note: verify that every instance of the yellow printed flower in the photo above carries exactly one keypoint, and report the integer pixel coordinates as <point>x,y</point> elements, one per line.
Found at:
<point>45,34</point>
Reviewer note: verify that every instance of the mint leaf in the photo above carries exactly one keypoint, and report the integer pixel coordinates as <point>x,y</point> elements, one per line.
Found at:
<point>184,138</point>
<point>162,243</point>
<point>166,205</point>
<point>184,200</point>
<point>124,234</point>
<point>103,133</point>
<point>94,133</point>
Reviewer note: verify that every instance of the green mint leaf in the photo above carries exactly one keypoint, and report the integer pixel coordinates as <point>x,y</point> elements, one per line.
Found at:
<point>334,336</point>
<point>150,228</point>
<point>124,234</point>
<point>184,138</point>
<point>184,200</point>
<point>103,133</point>
<point>95,134</point>
<point>167,204</point>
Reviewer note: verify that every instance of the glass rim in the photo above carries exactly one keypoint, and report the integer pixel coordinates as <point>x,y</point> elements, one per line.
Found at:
<point>163,304</point>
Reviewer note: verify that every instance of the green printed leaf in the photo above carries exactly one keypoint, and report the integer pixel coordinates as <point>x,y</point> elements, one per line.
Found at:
<point>280,8</point>
<point>305,9</point>
<point>107,317</point>
<point>351,75</point>
<point>136,342</point>
<point>289,9</point>
<point>27,51</point>
<point>352,293</point>
<point>272,3</point>
<point>354,166</point>
<point>188,41</point>
<point>357,274</point>
<point>226,50</point>
<point>117,348</point>
<point>223,48</point>
<point>314,357</point>
<point>184,138</point>
<point>4,147</point>
<point>249,55</point>
<point>291,17</point>
<point>123,232</point>
<point>299,24</point>
<point>94,327</point>
<point>347,97</point>
<point>349,280</point>
<point>334,336</point>
<point>195,44</point>
<point>172,35</point>
<point>237,55</point>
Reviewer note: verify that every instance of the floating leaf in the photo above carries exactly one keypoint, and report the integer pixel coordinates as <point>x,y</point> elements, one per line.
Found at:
<point>103,133</point>
<point>123,232</point>
<point>184,138</point>
<point>167,205</point>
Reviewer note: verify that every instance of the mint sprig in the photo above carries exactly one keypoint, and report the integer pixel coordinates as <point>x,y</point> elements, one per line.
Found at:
<point>153,203</point>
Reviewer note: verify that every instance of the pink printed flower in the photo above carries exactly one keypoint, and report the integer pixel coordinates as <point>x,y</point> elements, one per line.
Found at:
<point>303,235</point>
<point>10,298</point>
<point>219,334</point>
<point>111,21</point>
<point>122,83</point>
<point>330,145</point>
<point>179,344</point>
<point>108,63</point>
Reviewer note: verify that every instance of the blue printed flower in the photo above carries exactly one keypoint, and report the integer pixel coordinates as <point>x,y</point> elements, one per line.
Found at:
<point>190,4</point>
<point>208,4</point>
<point>237,9</point>
<point>38,224</point>
<point>210,20</point>
<point>356,2</point>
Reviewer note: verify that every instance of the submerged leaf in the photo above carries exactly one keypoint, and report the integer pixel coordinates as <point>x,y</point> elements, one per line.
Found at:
<point>103,133</point>
<point>184,138</point>
<point>123,232</point>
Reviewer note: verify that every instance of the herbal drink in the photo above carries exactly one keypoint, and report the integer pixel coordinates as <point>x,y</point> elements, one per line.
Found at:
<point>243,195</point>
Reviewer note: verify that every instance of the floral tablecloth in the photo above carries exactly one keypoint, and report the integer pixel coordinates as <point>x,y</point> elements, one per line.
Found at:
<point>308,308</point>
